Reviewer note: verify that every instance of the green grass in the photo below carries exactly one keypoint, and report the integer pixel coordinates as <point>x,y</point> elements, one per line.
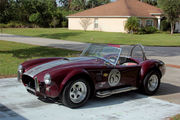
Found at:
<point>12,54</point>
<point>157,39</point>
<point>177,117</point>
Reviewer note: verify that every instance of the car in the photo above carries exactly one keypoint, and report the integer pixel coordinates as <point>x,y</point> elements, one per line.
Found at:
<point>101,70</point>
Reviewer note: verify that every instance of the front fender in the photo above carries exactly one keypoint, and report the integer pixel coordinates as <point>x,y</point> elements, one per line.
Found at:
<point>71,75</point>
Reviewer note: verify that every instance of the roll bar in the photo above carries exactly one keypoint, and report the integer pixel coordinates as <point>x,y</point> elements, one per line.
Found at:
<point>142,48</point>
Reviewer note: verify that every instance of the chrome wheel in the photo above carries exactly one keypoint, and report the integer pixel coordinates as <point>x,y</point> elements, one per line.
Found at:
<point>78,92</point>
<point>153,82</point>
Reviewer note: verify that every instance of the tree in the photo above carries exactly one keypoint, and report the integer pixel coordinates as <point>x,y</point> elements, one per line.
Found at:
<point>65,3</point>
<point>85,22</point>
<point>26,11</point>
<point>35,18</point>
<point>151,2</point>
<point>171,10</point>
<point>54,22</point>
<point>8,11</point>
<point>95,3</point>
<point>132,24</point>
<point>81,4</point>
<point>3,13</point>
<point>78,5</point>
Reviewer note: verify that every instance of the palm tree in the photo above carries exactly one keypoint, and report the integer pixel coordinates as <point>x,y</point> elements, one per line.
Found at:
<point>132,24</point>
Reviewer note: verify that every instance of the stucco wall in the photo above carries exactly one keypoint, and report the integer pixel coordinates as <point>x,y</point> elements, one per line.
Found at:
<point>104,24</point>
<point>177,27</point>
<point>75,24</point>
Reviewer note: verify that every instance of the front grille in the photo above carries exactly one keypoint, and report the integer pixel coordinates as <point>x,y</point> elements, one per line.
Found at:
<point>42,87</point>
<point>27,80</point>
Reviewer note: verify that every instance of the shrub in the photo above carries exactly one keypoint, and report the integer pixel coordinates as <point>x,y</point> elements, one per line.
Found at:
<point>150,29</point>
<point>3,25</point>
<point>147,30</point>
<point>64,24</point>
<point>132,24</point>
<point>14,25</point>
<point>165,25</point>
<point>141,30</point>
<point>11,25</point>
<point>35,18</point>
<point>54,22</point>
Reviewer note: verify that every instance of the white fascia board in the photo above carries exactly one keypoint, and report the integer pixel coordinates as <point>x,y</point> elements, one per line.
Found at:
<point>156,13</point>
<point>106,17</point>
<point>98,16</point>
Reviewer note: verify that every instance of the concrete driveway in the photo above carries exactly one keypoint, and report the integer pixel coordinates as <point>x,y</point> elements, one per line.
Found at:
<point>17,104</point>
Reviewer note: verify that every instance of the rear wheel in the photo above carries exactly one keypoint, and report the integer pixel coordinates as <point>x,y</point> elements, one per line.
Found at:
<point>76,93</point>
<point>151,83</point>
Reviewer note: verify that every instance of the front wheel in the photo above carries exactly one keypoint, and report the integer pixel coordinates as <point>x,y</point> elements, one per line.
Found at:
<point>76,93</point>
<point>151,83</point>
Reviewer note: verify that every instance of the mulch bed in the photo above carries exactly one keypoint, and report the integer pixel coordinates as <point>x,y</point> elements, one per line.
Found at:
<point>174,66</point>
<point>7,76</point>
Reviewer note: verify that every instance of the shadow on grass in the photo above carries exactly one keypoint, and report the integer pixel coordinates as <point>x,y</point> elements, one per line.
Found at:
<point>60,35</point>
<point>39,52</point>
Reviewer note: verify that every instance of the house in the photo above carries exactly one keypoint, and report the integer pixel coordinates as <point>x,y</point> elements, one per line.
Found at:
<point>112,17</point>
<point>177,27</point>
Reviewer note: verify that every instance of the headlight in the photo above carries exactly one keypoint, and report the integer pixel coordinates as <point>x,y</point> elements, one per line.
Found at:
<point>20,72</point>
<point>47,79</point>
<point>20,69</point>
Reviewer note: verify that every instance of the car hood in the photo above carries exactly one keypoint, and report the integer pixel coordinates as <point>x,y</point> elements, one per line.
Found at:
<point>59,63</point>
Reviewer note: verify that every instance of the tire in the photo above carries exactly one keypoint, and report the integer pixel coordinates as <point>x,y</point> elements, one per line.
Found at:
<point>151,83</point>
<point>76,93</point>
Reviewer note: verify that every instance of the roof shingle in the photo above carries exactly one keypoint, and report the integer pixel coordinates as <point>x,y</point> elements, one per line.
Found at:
<point>120,8</point>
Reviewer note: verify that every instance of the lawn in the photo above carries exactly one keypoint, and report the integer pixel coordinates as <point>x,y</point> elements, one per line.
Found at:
<point>12,54</point>
<point>158,39</point>
<point>177,117</point>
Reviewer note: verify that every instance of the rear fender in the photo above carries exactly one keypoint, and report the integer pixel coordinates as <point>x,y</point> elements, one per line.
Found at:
<point>146,67</point>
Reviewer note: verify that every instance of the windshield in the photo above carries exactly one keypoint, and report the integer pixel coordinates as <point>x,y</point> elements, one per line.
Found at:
<point>109,53</point>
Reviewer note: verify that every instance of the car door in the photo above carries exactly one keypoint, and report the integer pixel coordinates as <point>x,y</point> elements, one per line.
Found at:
<point>120,75</point>
<point>129,74</point>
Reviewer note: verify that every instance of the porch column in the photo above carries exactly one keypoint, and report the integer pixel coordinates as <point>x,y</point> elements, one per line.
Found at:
<point>159,22</point>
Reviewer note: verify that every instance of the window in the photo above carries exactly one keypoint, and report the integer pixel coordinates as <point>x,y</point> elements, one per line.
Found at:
<point>149,22</point>
<point>140,23</point>
<point>95,23</point>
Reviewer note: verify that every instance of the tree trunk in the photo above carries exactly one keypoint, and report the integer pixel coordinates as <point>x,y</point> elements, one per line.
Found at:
<point>172,28</point>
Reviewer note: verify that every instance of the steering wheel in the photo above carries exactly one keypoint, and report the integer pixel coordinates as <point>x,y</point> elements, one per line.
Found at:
<point>111,58</point>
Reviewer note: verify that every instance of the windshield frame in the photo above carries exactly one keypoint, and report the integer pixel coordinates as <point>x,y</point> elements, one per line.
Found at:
<point>115,63</point>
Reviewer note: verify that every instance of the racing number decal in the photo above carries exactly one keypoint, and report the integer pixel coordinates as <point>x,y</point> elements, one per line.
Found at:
<point>114,77</point>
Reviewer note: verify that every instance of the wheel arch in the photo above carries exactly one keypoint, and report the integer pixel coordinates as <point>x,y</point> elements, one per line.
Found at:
<point>147,67</point>
<point>80,73</point>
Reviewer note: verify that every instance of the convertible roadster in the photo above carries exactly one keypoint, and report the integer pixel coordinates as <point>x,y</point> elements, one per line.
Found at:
<point>101,70</point>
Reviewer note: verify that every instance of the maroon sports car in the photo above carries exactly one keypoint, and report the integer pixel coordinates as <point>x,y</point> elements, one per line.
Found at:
<point>101,70</point>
